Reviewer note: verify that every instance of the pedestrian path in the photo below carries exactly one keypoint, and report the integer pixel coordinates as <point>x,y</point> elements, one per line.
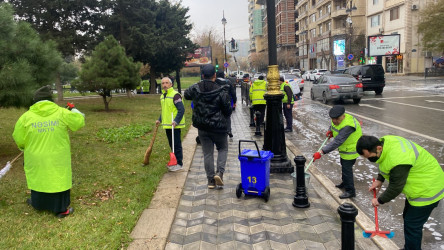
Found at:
<point>210,218</point>
<point>195,217</point>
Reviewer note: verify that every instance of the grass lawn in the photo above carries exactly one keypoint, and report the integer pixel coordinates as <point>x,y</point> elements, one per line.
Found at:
<point>110,189</point>
<point>186,82</point>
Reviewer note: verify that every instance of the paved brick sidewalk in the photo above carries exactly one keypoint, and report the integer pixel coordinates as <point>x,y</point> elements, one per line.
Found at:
<point>217,219</point>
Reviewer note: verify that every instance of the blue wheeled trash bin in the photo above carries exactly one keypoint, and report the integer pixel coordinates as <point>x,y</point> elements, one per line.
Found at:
<point>255,172</point>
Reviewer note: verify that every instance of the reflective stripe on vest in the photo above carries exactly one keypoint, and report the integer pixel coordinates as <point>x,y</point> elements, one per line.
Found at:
<point>257,91</point>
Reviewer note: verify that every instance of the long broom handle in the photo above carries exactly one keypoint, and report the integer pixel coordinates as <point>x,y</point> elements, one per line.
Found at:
<point>376,210</point>
<point>172,130</point>
<point>18,156</point>
<point>309,164</point>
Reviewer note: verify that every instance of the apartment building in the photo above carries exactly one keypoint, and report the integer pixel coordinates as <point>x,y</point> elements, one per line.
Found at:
<point>328,31</point>
<point>399,17</point>
<point>256,14</point>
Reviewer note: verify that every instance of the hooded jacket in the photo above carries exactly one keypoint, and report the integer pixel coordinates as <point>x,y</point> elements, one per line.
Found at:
<point>211,106</point>
<point>42,133</point>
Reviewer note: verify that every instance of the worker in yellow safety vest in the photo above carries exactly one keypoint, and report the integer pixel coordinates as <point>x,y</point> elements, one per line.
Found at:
<point>257,91</point>
<point>411,170</point>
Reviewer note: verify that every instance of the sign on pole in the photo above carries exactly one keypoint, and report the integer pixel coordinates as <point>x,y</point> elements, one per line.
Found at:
<point>350,57</point>
<point>226,65</point>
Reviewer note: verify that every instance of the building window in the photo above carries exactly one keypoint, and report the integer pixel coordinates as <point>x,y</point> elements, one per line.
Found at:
<point>313,18</point>
<point>320,29</point>
<point>313,32</point>
<point>394,13</point>
<point>320,12</point>
<point>375,21</point>
<point>328,26</point>
<point>329,8</point>
<point>375,2</point>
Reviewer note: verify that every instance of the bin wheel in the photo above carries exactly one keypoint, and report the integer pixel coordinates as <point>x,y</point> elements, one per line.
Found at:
<point>267,194</point>
<point>239,190</point>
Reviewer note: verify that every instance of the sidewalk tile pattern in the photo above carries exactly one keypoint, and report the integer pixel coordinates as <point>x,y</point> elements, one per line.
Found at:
<point>217,219</point>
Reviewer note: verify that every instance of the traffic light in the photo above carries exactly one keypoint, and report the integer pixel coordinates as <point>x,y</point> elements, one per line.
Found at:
<point>217,65</point>
<point>362,56</point>
<point>233,43</point>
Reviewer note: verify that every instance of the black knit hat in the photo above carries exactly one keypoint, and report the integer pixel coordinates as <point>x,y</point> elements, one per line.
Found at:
<point>43,93</point>
<point>336,111</point>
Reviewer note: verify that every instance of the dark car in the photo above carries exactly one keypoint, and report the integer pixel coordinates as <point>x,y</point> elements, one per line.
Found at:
<point>372,76</point>
<point>246,78</point>
<point>335,88</point>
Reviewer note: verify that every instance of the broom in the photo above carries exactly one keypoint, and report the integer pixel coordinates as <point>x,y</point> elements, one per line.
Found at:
<point>173,161</point>
<point>146,159</point>
<point>384,234</point>
<point>9,165</point>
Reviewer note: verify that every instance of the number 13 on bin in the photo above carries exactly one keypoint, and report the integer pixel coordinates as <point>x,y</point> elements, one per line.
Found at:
<point>252,179</point>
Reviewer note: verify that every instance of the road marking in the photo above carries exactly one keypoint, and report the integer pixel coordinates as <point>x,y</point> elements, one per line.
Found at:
<point>434,101</point>
<point>370,106</point>
<point>399,128</point>
<point>416,106</point>
<point>400,97</point>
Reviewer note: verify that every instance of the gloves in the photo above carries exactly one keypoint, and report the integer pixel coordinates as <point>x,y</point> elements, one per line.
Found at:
<point>69,106</point>
<point>329,134</point>
<point>316,156</point>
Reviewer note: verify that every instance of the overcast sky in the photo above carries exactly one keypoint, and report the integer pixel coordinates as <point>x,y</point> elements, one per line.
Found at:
<point>207,14</point>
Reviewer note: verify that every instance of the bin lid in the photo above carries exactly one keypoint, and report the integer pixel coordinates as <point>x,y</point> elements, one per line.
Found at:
<point>248,153</point>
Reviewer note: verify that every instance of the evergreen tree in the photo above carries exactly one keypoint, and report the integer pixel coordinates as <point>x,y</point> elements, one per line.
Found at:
<point>152,32</point>
<point>26,62</point>
<point>108,69</point>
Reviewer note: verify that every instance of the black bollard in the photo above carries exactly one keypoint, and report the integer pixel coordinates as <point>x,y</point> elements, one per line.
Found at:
<point>300,199</point>
<point>252,117</point>
<point>348,214</point>
<point>258,123</point>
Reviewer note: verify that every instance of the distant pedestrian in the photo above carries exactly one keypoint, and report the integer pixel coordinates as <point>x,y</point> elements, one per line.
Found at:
<point>257,91</point>
<point>42,134</point>
<point>211,109</point>
<point>220,80</point>
<point>287,104</point>
<point>346,131</point>
<point>411,170</point>
<point>173,114</point>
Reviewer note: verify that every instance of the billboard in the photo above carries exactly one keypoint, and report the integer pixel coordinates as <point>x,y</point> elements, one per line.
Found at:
<point>384,45</point>
<point>200,57</point>
<point>339,47</point>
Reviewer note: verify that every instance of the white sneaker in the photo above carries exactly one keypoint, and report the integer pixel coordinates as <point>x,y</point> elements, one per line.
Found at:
<point>175,168</point>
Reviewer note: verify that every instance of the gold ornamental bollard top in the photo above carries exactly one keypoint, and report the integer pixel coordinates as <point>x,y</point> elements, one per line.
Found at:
<point>274,87</point>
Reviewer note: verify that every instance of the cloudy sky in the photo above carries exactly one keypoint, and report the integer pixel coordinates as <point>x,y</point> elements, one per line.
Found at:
<point>207,14</point>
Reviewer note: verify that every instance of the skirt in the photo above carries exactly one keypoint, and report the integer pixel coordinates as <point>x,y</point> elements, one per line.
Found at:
<point>54,202</point>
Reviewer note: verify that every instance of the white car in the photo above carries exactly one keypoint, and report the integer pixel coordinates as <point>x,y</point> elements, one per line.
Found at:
<point>294,80</point>
<point>316,73</point>
<point>306,75</point>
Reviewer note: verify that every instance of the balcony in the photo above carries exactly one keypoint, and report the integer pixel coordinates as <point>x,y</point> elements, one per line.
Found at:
<point>323,17</point>
<point>337,31</point>
<point>338,12</point>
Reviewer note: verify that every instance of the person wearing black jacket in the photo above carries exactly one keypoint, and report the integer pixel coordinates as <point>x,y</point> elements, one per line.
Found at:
<point>211,111</point>
<point>220,80</point>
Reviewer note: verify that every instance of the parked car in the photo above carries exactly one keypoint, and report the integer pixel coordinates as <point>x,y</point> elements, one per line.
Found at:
<point>294,79</point>
<point>306,75</point>
<point>316,73</point>
<point>337,72</point>
<point>372,76</point>
<point>246,78</point>
<point>296,72</point>
<point>334,88</point>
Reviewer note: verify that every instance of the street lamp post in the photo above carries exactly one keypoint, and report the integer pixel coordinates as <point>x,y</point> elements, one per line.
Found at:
<point>350,10</point>
<point>274,138</point>
<point>224,21</point>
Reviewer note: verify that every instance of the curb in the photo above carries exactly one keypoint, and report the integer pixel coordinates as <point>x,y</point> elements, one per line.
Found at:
<point>362,219</point>
<point>154,225</point>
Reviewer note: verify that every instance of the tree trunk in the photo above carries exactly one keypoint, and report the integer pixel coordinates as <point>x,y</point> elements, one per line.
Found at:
<point>59,88</point>
<point>153,82</point>
<point>105,102</point>
<point>129,93</point>
<point>179,88</point>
